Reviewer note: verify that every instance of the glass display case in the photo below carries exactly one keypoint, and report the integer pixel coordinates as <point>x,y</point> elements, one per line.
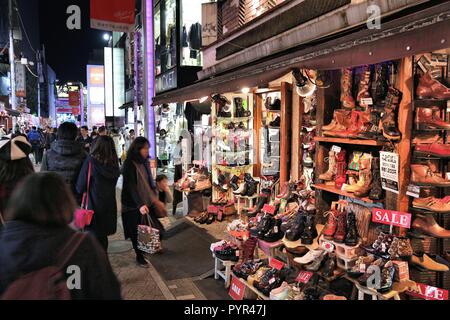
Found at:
<point>165,36</point>
<point>191,33</point>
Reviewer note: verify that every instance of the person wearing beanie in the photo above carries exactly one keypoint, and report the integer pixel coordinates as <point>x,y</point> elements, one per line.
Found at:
<point>15,165</point>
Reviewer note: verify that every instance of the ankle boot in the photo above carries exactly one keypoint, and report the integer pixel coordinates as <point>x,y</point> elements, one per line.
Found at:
<point>262,200</point>
<point>363,88</point>
<point>330,266</point>
<point>234,183</point>
<point>359,120</point>
<point>431,88</point>
<point>430,118</point>
<point>424,175</point>
<point>221,182</point>
<point>341,169</point>
<point>376,191</point>
<point>310,231</point>
<point>351,236</point>
<point>380,89</point>
<point>339,122</point>
<point>346,89</point>
<point>331,173</point>
<point>339,236</point>
<point>242,189</point>
<point>388,122</point>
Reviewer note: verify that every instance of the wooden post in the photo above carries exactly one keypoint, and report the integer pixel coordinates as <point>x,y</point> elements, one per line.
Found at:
<point>285,130</point>
<point>296,145</point>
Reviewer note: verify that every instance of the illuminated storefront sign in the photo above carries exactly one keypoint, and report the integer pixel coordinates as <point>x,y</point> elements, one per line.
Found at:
<point>96,95</point>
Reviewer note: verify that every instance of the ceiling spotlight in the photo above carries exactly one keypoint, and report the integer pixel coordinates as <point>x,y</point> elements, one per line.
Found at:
<point>305,87</point>
<point>245,90</point>
<point>201,100</point>
<point>106,36</point>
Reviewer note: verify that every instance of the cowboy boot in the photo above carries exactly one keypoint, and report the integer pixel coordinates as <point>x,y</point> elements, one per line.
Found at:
<point>330,174</point>
<point>363,88</point>
<point>364,189</point>
<point>431,88</point>
<point>346,89</point>
<point>430,118</point>
<point>380,87</point>
<point>341,169</point>
<point>339,235</point>
<point>339,121</point>
<point>351,236</point>
<point>331,225</point>
<point>371,130</point>
<point>388,122</point>
<point>376,191</point>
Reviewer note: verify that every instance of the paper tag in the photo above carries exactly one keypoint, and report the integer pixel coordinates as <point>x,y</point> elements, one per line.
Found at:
<point>328,246</point>
<point>272,280</point>
<point>362,268</point>
<point>336,149</point>
<point>237,253</point>
<point>424,64</point>
<point>275,229</point>
<point>413,191</point>
<point>366,102</point>
<point>448,173</point>
<point>258,218</point>
<point>344,186</point>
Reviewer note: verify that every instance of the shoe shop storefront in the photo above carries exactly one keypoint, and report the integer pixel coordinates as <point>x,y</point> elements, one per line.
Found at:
<point>329,166</point>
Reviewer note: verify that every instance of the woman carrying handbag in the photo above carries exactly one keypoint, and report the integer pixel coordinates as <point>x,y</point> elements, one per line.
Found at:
<point>139,197</point>
<point>98,179</point>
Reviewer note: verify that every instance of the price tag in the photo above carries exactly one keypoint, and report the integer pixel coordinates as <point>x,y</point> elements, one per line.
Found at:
<point>304,276</point>
<point>276,264</point>
<point>389,217</point>
<point>362,268</point>
<point>344,186</point>
<point>336,149</point>
<point>237,253</point>
<point>328,246</point>
<point>272,280</point>
<point>258,219</point>
<point>413,191</point>
<point>275,229</point>
<point>269,209</point>
<point>366,102</point>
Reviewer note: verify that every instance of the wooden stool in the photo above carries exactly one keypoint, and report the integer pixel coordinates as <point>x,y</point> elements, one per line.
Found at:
<point>225,275</point>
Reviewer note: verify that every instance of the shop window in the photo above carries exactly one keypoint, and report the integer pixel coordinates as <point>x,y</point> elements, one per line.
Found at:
<point>165,36</point>
<point>191,33</point>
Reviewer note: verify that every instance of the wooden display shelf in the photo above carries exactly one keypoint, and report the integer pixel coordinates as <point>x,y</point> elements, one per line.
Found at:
<point>335,190</point>
<point>360,142</point>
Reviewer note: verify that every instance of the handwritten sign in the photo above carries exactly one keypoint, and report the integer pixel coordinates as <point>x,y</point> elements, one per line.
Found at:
<point>237,289</point>
<point>389,217</point>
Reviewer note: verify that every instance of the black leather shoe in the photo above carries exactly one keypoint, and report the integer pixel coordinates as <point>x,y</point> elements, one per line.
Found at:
<point>309,232</point>
<point>295,232</point>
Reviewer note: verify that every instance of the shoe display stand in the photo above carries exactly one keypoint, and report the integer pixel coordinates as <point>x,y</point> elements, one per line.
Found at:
<point>421,242</point>
<point>219,265</point>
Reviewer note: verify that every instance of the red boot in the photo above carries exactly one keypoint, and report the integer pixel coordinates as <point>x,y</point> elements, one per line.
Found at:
<point>341,169</point>
<point>341,230</point>
<point>331,226</point>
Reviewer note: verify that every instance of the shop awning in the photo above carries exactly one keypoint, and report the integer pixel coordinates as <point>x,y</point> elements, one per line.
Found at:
<point>410,34</point>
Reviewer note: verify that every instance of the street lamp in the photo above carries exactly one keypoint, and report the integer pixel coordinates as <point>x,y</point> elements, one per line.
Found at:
<point>106,36</point>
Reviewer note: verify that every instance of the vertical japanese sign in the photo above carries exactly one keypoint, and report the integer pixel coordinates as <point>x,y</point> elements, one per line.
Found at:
<point>389,164</point>
<point>20,80</point>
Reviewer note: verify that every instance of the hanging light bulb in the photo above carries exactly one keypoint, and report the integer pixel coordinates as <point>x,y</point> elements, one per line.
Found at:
<point>245,90</point>
<point>201,100</point>
<point>304,86</point>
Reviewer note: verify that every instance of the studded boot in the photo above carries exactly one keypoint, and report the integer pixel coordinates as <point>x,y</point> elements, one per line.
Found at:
<point>388,122</point>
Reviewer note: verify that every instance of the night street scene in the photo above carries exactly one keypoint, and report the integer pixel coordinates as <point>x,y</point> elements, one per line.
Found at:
<point>218,158</point>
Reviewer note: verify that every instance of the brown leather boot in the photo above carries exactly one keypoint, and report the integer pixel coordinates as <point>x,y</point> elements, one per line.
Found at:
<point>388,122</point>
<point>427,138</point>
<point>431,88</point>
<point>362,188</point>
<point>331,173</point>
<point>339,122</point>
<point>347,99</point>
<point>341,230</point>
<point>423,175</point>
<point>363,88</point>
<point>430,118</point>
<point>426,224</point>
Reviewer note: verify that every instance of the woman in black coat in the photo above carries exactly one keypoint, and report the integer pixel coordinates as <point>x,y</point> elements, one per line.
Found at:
<point>102,189</point>
<point>37,235</point>
<point>139,197</point>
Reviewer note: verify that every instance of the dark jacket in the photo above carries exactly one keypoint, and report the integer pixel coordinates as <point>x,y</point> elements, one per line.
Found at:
<point>102,195</point>
<point>83,142</point>
<point>25,248</point>
<point>131,201</point>
<point>66,158</point>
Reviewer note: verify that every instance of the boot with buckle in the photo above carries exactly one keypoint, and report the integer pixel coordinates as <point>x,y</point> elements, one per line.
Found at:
<point>388,122</point>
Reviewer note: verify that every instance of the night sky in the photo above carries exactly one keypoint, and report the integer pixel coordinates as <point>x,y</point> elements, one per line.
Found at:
<point>67,51</point>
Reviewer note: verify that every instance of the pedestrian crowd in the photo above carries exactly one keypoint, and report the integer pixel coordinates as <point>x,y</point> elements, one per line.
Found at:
<point>78,169</point>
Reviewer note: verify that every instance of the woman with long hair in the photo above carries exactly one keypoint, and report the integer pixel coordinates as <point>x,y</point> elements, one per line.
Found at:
<point>101,171</point>
<point>139,196</point>
<point>14,166</point>
<point>37,235</point>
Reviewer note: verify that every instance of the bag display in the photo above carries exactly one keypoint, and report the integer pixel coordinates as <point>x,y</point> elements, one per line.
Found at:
<point>148,237</point>
<point>83,216</point>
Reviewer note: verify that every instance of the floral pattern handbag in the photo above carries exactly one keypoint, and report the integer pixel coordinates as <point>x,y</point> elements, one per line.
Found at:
<point>149,240</point>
